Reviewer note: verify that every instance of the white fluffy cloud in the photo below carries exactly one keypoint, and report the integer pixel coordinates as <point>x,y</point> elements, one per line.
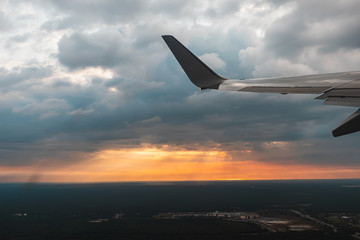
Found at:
<point>213,60</point>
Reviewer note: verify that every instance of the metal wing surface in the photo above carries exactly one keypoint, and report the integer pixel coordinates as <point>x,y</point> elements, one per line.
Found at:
<point>334,88</point>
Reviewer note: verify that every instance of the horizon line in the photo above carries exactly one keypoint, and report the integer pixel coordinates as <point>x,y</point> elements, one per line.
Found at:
<point>181,181</point>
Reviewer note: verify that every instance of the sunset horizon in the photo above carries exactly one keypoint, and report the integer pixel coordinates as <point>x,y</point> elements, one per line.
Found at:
<point>167,163</point>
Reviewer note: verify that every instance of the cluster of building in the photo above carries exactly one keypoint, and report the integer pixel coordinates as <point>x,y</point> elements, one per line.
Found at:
<point>216,214</point>
<point>272,224</point>
<point>20,214</point>
<point>100,220</point>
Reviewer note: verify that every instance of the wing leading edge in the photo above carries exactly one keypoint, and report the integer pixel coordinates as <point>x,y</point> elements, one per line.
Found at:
<point>334,88</point>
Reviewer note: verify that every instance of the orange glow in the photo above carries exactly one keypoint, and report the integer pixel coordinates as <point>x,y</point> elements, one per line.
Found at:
<point>167,164</point>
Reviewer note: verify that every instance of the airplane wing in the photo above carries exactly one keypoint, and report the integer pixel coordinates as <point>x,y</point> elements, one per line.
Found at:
<point>334,88</point>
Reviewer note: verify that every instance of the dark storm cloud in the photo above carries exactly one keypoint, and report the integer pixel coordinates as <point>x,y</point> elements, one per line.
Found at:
<point>83,50</point>
<point>199,119</point>
<point>148,99</point>
<point>18,75</point>
<point>327,25</point>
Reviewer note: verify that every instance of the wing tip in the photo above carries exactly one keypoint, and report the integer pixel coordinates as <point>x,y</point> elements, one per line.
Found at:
<point>350,125</point>
<point>336,134</point>
<point>197,71</point>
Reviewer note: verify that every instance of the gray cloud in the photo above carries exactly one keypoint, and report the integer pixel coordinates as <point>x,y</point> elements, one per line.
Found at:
<point>56,114</point>
<point>5,24</point>
<point>80,14</point>
<point>19,77</point>
<point>329,26</point>
<point>83,50</point>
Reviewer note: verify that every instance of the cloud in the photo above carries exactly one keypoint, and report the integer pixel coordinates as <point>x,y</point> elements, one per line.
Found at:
<point>49,108</point>
<point>329,27</point>
<point>108,11</point>
<point>80,111</point>
<point>5,24</point>
<point>97,49</point>
<point>280,68</point>
<point>213,60</point>
<point>155,119</point>
<point>87,77</point>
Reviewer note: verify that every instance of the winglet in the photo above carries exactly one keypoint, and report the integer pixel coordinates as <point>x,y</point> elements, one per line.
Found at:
<point>199,74</point>
<point>350,125</point>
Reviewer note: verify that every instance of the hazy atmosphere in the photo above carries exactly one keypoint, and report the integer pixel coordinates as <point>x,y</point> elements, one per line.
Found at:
<point>90,92</point>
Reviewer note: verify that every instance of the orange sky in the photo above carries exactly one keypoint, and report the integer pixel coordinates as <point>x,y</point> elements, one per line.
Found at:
<point>167,164</point>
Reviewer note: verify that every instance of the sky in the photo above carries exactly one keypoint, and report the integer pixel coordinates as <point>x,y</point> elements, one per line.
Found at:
<point>89,91</point>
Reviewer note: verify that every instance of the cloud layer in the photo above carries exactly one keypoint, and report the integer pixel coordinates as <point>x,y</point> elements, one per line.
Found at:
<point>80,78</point>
